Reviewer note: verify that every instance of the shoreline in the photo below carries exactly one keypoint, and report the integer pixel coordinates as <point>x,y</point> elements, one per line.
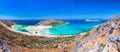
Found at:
<point>45,35</point>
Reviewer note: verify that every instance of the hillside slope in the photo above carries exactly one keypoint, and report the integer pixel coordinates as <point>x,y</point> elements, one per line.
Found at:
<point>24,43</point>
<point>104,38</point>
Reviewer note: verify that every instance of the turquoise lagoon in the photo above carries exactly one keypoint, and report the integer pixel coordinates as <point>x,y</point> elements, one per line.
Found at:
<point>20,28</point>
<point>73,28</point>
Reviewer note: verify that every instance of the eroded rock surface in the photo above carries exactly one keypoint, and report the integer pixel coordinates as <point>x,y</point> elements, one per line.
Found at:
<point>3,46</point>
<point>105,38</point>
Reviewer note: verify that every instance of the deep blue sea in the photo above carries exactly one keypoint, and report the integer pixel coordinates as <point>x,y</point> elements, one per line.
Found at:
<point>73,28</point>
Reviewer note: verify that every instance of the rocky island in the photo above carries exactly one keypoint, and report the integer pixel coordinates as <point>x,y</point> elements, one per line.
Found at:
<point>52,22</point>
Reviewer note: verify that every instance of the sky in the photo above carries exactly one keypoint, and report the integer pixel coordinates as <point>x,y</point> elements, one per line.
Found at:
<point>59,9</point>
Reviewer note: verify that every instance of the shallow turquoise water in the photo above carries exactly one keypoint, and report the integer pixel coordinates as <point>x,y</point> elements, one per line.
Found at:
<point>69,30</point>
<point>59,30</point>
<point>73,28</point>
<point>20,28</point>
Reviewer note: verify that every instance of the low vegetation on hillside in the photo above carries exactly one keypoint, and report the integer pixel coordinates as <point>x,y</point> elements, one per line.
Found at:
<point>18,39</point>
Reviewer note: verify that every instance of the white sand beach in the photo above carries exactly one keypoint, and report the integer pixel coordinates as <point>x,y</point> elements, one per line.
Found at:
<point>34,30</point>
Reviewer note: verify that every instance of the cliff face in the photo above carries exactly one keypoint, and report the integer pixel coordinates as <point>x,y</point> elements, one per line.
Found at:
<point>104,38</point>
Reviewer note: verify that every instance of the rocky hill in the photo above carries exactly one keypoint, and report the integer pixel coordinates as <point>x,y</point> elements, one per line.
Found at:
<point>104,38</point>
<point>52,22</point>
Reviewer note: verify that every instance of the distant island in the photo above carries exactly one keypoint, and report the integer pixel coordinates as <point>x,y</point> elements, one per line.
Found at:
<point>52,22</point>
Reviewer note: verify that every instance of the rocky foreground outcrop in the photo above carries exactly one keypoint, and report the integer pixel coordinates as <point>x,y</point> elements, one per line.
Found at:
<point>52,22</point>
<point>104,38</point>
<point>4,47</point>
